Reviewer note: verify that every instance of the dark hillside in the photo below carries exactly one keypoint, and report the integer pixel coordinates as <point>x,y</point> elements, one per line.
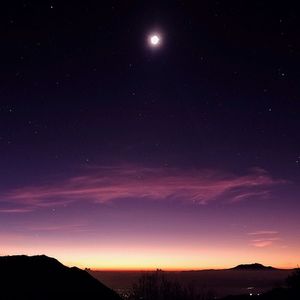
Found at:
<point>42,277</point>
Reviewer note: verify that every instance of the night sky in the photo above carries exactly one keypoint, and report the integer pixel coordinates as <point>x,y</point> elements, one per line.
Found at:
<point>119,154</point>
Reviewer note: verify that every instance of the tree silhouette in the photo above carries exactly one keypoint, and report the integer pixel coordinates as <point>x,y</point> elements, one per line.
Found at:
<point>293,281</point>
<point>155,286</point>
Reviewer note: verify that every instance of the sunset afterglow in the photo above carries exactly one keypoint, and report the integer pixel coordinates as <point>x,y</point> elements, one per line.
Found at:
<point>139,136</point>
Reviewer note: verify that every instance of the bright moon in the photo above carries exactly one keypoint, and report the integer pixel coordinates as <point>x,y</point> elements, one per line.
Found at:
<point>154,40</point>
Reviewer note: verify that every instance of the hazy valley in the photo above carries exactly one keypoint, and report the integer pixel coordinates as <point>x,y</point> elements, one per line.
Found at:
<point>218,282</point>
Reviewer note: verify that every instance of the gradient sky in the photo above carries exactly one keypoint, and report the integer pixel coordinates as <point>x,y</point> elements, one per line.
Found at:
<point>118,155</point>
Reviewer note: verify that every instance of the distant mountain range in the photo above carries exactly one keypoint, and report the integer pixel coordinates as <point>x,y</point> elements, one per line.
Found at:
<point>42,277</point>
<point>253,267</point>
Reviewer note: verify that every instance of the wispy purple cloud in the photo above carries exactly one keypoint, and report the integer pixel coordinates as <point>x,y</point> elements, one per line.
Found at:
<point>246,195</point>
<point>105,184</point>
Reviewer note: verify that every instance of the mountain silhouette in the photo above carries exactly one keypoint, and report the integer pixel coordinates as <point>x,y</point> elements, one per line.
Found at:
<point>252,267</point>
<point>42,277</point>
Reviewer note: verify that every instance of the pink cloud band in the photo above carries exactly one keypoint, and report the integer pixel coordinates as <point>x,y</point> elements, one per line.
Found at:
<point>104,184</point>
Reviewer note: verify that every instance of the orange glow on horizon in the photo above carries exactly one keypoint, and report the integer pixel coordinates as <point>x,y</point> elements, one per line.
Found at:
<point>167,259</point>
<point>152,264</point>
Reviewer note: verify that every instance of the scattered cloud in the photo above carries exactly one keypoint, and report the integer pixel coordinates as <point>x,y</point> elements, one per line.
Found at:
<point>263,242</point>
<point>105,184</point>
<point>15,210</point>
<point>250,194</point>
<point>264,238</point>
<point>57,228</point>
<point>263,232</point>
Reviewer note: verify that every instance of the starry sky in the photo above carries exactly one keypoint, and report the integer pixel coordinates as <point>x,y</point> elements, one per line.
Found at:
<point>115,154</point>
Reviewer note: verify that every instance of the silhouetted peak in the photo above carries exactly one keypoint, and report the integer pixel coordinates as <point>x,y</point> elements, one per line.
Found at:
<point>254,267</point>
<point>43,277</point>
<point>36,261</point>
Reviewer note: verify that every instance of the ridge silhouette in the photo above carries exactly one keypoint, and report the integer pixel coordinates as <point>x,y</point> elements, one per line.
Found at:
<point>254,267</point>
<point>43,277</point>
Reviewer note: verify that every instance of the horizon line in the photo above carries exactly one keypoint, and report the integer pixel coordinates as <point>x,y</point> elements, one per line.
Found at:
<point>177,269</point>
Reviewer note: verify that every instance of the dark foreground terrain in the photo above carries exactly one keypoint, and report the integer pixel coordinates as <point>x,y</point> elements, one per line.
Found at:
<point>220,283</point>
<point>239,283</point>
<point>42,277</point>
